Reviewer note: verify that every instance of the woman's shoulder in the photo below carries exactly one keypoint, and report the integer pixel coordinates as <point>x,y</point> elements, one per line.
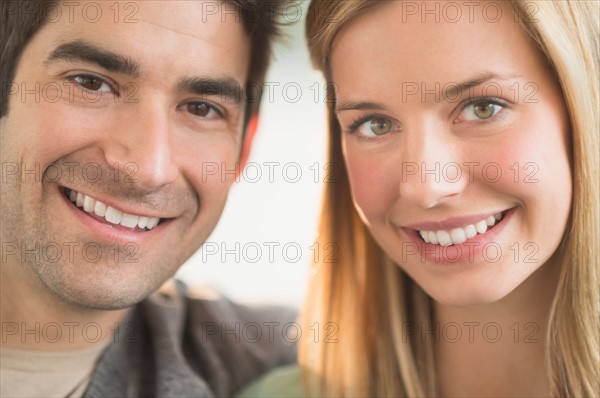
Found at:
<point>285,381</point>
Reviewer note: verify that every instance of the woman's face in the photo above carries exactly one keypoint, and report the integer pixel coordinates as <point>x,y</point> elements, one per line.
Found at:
<point>455,137</point>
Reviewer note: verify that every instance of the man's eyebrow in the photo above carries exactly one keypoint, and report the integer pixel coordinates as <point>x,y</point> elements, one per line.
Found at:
<point>228,88</point>
<point>90,53</point>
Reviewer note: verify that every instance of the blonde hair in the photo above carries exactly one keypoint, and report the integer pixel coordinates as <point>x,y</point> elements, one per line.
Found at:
<point>373,356</point>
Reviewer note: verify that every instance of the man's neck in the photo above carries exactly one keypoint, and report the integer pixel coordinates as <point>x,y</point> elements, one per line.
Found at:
<point>503,345</point>
<point>33,318</point>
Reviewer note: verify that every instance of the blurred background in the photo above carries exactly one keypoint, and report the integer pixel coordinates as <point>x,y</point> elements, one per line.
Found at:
<point>261,249</point>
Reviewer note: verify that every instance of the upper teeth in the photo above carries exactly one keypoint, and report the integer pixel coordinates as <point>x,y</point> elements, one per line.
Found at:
<point>110,214</point>
<point>459,235</point>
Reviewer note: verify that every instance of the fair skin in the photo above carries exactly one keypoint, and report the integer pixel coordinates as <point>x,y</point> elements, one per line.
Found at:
<point>151,125</point>
<point>394,140</point>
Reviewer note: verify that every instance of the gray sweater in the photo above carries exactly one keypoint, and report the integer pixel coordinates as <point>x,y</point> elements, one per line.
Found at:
<point>176,346</point>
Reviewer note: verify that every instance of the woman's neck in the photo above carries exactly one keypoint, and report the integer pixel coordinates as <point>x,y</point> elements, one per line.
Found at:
<point>497,349</point>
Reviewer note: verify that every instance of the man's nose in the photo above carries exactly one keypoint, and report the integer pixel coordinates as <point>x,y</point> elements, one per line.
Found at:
<point>141,145</point>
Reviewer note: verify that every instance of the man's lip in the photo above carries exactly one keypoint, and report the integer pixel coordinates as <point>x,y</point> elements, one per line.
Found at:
<point>123,208</point>
<point>454,222</point>
<point>103,220</point>
<point>111,232</point>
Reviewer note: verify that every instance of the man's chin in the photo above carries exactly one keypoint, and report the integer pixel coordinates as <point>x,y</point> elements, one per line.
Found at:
<point>107,300</point>
<point>102,293</point>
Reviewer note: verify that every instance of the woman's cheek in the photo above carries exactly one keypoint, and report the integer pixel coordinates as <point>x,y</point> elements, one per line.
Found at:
<point>374,183</point>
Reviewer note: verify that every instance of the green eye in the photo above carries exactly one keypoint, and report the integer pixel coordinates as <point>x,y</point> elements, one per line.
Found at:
<point>380,126</point>
<point>373,126</point>
<point>484,110</point>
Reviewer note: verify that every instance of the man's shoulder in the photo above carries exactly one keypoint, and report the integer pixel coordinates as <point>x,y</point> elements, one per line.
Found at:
<point>210,318</point>
<point>208,311</point>
<point>181,342</point>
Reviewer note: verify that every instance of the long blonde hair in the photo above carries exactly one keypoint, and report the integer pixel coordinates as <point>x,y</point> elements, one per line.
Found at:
<point>369,300</point>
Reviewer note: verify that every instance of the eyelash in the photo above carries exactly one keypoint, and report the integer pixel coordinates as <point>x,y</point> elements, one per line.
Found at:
<point>484,100</point>
<point>220,112</point>
<point>353,127</point>
<point>115,91</point>
<point>113,87</point>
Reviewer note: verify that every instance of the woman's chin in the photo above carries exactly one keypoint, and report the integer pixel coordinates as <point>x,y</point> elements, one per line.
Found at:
<point>468,296</point>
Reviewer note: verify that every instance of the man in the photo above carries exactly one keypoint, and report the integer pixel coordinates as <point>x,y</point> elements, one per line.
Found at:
<point>110,114</point>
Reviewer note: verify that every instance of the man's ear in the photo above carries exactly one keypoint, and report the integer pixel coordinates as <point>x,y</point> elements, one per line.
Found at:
<point>247,144</point>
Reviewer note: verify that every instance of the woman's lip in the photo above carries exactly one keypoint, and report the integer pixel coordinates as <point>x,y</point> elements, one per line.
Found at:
<point>454,222</point>
<point>466,251</point>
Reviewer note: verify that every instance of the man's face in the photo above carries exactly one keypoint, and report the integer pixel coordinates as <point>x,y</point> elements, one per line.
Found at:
<point>137,118</point>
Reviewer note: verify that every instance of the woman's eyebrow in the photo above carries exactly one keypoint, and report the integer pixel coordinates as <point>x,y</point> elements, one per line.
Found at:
<point>358,106</point>
<point>456,89</point>
<point>91,53</point>
<point>448,90</point>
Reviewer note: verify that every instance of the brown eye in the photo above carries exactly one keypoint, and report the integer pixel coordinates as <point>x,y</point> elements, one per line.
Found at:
<point>201,109</point>
<point>91,83</point>
<point>484,110</point>
<point>380,126</point>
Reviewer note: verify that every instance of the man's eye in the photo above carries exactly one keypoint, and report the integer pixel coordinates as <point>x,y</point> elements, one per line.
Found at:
<point>203,109</point>
<point>481,110</point>
<point>92,83</point>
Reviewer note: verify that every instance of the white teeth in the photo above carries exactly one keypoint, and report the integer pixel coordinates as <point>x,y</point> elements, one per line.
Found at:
<point>444,238</point>
<point>481,227</point>
<point>88,204</point>
<point>433,237</point>
<point>153,222</point>
<point>100,209</point>
<point>113,215</point>
<point>79,200</point>
<point>129,220</point>
<point>143,222</point>
<point>470,231</point>
<point>110,214</point>
<point>459,235</point>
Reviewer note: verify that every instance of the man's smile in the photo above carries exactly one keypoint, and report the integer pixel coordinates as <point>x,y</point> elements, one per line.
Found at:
<point>109,215</point>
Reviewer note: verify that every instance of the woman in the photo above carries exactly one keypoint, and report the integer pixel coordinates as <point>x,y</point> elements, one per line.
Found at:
<point>467,226</point>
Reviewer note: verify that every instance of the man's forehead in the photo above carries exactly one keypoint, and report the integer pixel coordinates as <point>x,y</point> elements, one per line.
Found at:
<point>183,14</point>
<point>203,20</point>
<point>178,33</point>
<point>196,19</point>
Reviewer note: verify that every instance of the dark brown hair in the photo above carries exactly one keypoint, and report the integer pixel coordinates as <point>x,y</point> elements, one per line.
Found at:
<point>20,20</point>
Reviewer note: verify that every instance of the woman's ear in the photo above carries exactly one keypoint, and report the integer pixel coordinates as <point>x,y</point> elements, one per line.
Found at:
<point>247,144</point>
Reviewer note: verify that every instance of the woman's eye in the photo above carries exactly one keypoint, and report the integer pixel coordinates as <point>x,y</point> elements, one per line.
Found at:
<point>480,111</point>
<point>92,83</point>
<point>375,127</point>
<point>203,109</point>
